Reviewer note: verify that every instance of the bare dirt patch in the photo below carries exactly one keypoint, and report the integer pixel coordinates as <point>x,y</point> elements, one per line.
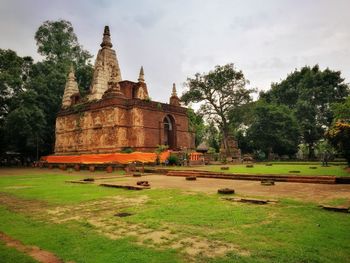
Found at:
<point>21,205</point>
<point>33,251</point>
<point>299,191</point>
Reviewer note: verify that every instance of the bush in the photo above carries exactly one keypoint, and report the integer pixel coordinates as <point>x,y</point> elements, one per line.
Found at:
<point>211,150</point>
<point>259,155</point>
<point>173,159</point>
<point>127,150</point>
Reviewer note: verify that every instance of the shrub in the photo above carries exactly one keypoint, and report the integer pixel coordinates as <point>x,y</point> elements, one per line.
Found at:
<point>173,159</point>
<point>127,150</point>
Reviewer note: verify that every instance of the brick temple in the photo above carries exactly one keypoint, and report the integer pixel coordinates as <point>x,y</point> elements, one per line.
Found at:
<point>117,113</point>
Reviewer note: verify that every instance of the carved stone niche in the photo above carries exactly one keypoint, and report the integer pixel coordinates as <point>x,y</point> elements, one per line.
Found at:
<point>96,120</point>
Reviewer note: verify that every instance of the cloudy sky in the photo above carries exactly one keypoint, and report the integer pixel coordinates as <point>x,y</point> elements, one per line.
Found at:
<point>174,39</point>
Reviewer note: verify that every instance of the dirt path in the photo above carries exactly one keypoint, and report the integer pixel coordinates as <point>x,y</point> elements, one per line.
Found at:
<point>300,191</point>
<point>32,251</point>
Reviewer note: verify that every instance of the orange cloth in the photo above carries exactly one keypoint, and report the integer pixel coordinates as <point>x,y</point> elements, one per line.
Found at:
<point>122,158</point>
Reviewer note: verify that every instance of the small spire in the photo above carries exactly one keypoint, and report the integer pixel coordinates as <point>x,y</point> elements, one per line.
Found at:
<point>174,93</point>
<point>71,75</point>
<point>174,99</point>
<point>141,75</point>
<point>70,89</point>
<point>106,42</point>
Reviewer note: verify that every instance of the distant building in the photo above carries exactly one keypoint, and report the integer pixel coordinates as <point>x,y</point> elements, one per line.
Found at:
<point>117,113</point>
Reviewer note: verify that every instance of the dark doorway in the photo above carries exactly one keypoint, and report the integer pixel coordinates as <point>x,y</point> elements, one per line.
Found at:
<point>169,132</point>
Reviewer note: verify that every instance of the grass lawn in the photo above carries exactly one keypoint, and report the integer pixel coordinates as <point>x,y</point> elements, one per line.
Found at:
<point>8,254</point>
<point>78,223</point>
<point>276,168</point>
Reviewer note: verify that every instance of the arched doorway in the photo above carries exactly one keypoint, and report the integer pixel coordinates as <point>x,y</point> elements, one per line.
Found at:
<point>169,132</point>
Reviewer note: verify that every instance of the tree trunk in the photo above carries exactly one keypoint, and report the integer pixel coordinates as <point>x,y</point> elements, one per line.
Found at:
<point>269,154</point>
<point>225,142</point>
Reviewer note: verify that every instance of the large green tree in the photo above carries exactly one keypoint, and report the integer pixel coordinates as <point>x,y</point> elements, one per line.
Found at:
<point>58,44</point>
<point>274,129</point>
<point>31,94</point>
<point>14,76</point>
<point>309,92</point>
<point>220,91</point>
<point>25,124</point>
<point>14,72</point>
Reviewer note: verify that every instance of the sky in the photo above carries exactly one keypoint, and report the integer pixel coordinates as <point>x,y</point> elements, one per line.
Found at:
<point>175,39</point>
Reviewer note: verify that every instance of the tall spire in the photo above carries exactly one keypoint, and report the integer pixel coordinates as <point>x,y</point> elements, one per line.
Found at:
<point>106,42</point>
<point>141,75</point>
<point>106,64</point>
<point>174,93</point>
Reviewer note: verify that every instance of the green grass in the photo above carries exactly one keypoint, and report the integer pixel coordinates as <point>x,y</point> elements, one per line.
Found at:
<point>77,242</point>
<point>11,255</point>
<point>276,168</point>
<point>52,188</point>
<point>288,231</point>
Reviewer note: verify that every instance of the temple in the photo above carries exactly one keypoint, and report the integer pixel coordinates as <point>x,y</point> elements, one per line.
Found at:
<point>118,114</point>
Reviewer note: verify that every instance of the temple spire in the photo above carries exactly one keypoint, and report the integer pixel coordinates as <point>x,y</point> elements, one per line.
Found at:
<point>106,42</point>
<point>174,99</point>
<point>106,64</point>
<point>174,93</point>
<point>70,89</point>
<point>141,75</point>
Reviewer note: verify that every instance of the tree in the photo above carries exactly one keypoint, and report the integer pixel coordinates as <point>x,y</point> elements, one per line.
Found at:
<point>196,124</point>
<point>339,133</point>
<point>339,137</point>
<point>31,94</point>
<point>341,111</point>
<point>59,45</point>
<point>220,90</point>
<point>212,136</point>
<point>274,129</point>
<point>310,93</point>
<point>26,124</point>
<point>57,42</point>
<point>14,72</point>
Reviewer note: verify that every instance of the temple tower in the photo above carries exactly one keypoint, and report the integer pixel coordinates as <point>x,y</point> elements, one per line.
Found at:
<point>174,99</point>
<point>141,90</point>
<point>70,89</point>
<point>106,66</point>
<point>141,78</point>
